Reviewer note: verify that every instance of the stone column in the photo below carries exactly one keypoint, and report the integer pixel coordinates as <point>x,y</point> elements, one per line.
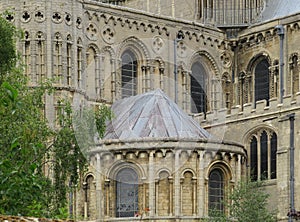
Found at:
<point>194,183</point>
<point>151,184</point>
<point>99,213</point>
<point>201,188</point>
<point>177,183</point>
<point>171,210</point>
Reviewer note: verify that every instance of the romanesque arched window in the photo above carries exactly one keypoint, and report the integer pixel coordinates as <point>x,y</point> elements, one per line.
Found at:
<point>198,89</point>
<point>262,83</point>
<point>216,185</point>
<point>263,152</point>
<point>126,193</point>
<point>129,74</point>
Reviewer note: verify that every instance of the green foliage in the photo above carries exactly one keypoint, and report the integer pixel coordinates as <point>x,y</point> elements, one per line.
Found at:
<point>246,203</point>
<point>8,55</point>
<point>28,147</point>
<point>78,129</point>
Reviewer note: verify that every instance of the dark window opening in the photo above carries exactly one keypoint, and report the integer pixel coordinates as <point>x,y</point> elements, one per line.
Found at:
<point>216,191</point>
<point>253,159</point>
<point>273,156</point>
<point>126,193</point>
<point>198,89</point>
<point>129,74</point>
<point>262,83</point>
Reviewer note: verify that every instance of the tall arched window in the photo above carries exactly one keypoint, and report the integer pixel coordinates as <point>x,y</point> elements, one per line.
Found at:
<point>262,82</point>
<point>126,193</point>
<point>263,152</point>
<point>129,74</point>
<point>216,190</point>
<point>198,89</point>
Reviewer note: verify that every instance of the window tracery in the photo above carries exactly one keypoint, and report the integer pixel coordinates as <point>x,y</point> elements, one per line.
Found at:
<point>263,152</point>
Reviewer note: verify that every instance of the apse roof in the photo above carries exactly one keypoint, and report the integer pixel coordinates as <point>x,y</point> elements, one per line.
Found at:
<point>280,8</point>
<point>151,114</point>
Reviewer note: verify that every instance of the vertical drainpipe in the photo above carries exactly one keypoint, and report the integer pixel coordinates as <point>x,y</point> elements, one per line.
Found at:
<point>292,165</point>
<point>280,32</point>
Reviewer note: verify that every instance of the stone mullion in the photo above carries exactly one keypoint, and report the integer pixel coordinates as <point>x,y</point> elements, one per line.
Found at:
<point>259,156</point>
<point>269,154</point>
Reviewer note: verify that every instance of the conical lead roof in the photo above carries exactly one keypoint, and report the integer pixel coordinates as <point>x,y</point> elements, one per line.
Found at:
<point>151,114</point>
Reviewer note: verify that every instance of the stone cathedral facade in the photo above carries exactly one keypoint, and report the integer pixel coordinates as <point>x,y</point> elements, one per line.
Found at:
<point>205,92</point>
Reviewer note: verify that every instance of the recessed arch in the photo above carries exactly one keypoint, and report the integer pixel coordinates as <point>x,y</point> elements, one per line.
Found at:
<point>118,165</point>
